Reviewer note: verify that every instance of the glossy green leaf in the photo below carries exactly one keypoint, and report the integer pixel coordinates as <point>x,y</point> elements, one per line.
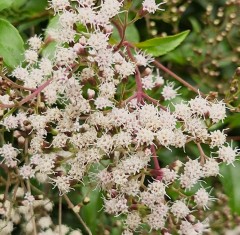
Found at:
<point>50,49</point>
<point>92,211</point>
<point>11,44</point>
<point>35,6</point>
<point>131,35</point>
<point>5,4</point>
<point>18,3</point>
<point>162,45</point>
<point>195,24</point>
<point>230,181</point>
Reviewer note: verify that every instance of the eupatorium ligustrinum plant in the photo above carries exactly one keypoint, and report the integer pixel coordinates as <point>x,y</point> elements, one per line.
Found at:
<point>84,116</point>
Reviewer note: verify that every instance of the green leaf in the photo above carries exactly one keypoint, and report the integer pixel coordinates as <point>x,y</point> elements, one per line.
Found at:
<point>233,120</point>
<point>18,3</point>
<point>53,24</point>
<point>92,211</point>
<point>11,44</point>
<point>5,4</point>
<point>131,35</point>
<point>35,6</point>
<point>49,50</point>
<point>230,181</point>
<point>162,45</point>
<point>195,24</point>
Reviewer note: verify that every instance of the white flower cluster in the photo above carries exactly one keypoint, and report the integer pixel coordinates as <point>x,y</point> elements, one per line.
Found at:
<point>79,121</point>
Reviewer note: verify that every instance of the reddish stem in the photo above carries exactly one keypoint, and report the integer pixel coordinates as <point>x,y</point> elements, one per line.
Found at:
<point>15,84</point>
<point>29,97</point>
<point>155,160</point>
<point>139,86</point>
<point>130,98</point>
<point>147,97</point>
<point>156,172</point>
<point>165,69</point>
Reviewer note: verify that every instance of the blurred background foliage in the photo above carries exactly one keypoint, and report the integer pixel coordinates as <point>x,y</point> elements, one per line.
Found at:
<point>208,59</point>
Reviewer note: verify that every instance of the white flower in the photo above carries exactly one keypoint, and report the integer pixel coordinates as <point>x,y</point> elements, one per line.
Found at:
<point>159,81</point>
<point>165,137</point>
<point>26,171</point>
<point>45,222</point>
<point>20,73</point>
<point>125,69</point>
<point>210,168</point>
<point>217,138</point>
<point>151,6</point>
<point>148,82</point>
<point>110,8</point>
<point>98,41</point>
<point>59,5</point>
<point>29,199</point>
<point>63,184</point>
<point>67,19</point>
<point>143,59</point>
<point>199,106</point>
<point>102,102</point>
<point>169,92</point>
<point>217,111</point>
<point>31,56</point>
<point>228,154</point>
<point>35,42</point>
<point>168,175</point>
<point>179,209</point>
<point>186,228</point>
<point>201,198</point>
<point>133,220</point>
<point>6,227</point>
<point>192,173</point>
<point>116,205</point>
<point>65,56</point>
<point>46,66</point>
<point>144,136</point>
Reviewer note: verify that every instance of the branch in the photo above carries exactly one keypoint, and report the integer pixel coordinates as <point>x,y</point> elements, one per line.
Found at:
<point>29,97</point>
<point>15,84</point>
<point>186,84</point>
<point>71,206</point>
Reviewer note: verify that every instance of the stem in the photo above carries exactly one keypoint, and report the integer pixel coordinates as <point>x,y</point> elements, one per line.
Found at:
<point>186,84</point>
<point>12,201</point>
<point>118,26</point>
<point>236,138</point>
<point>60,215</point>
<point>71,206</point>
<point>8,184</point>
<point>122,32</point>
<point>155,160</point>
<point>15,84</point>
<point>147,97</point>
<point>29,97</point>
<point>139,86</point>
<point>202,154</point>
<point>31,210</point>
<point>129,99</point>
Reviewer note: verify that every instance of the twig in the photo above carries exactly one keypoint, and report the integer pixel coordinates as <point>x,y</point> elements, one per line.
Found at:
<point>186,84</point>
<point>32,211</point>
<point>15,84</point>
<point>60,215</point>
<point>202,154</point>
<point>139,85</point>
<point>29,97</point>
<point>155,160</point>
<point>71,206</point>
<point>147,97</point>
